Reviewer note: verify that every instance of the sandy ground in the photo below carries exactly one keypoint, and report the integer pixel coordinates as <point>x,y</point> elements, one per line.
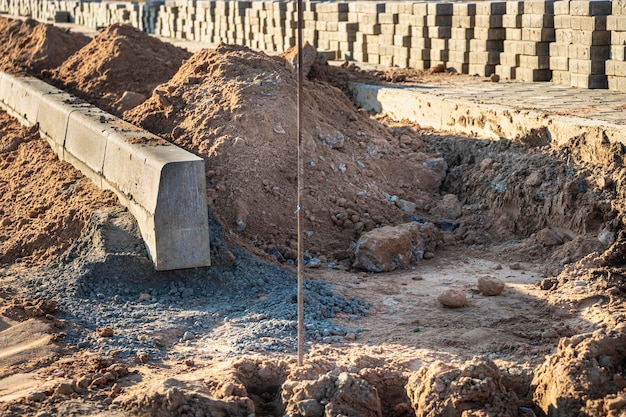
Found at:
<point>552,342</point>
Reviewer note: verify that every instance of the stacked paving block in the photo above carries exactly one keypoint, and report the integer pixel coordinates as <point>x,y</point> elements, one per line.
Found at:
<point>439,31</point>
<point>402,33</point>
<point>365,43</point>
<point>419,51</point>
<point>529,31</point>
<point>512,46</point>
<point>329,16</point>
<point>616,65</point>
<point>269,26</point>
<point>462,32</point>
<point>489,35</point>
<point>582,44</point>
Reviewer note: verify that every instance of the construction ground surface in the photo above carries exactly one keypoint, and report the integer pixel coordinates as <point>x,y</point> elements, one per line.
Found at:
<point>510,301</point>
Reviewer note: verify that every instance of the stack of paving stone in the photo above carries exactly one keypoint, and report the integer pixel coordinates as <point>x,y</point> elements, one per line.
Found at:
<point>204,28</point>
<point>462,33</point>
<point>365,46</point>
<point>616,66</point>
<point>582,43</point>
<point>526,51</point>
<point>329,37</point>
<point>439,31</point>
<point>489,35</point>
<point>419,51</point>
<point>270,25</point>
<point>512,46</point>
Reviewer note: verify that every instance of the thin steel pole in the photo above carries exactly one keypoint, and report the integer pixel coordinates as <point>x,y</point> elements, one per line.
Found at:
<point>299,194</point>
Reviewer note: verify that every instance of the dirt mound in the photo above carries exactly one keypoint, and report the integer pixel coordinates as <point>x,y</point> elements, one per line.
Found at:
<point>44,203</point>
<point>32,47</point>
<point>587,371</point>
<point>237,109</point>
<point>119,68</point>
<point>474,389</point>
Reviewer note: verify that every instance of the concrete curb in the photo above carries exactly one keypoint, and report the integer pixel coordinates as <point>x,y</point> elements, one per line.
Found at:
<point>163,186</point>
<point>489,121</point>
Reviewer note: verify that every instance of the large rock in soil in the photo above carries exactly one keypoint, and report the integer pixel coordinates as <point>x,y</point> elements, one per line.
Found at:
<point>473,389</point>
<point>393,247</point>
<point>588,371</point>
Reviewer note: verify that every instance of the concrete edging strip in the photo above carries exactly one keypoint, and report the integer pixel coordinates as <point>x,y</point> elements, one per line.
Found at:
<point>162,185</point>
<point>489,121</point>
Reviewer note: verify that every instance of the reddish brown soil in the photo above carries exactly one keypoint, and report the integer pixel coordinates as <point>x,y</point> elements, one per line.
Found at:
<point>236,108</point>
<point>120,59</point>
<point>44,203</point>
<point>29,46</point>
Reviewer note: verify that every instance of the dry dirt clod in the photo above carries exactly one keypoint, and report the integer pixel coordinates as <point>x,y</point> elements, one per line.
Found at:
<point>453,298</point>
<point>490,286</point>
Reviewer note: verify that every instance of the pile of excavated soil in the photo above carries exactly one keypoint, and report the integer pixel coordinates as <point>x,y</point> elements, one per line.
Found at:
<point>29,46</point>
<point>119,68</point>
<point>237,109</point>
<point>44,203</point>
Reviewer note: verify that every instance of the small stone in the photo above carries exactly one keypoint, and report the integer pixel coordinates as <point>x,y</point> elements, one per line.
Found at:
<point>104,332</point>
<point>350,337</point>
<point>84,382</point>
<point>415,329</point>
<point>453,298</point>
<point>64,388</point>
<point>37,397</point>
<point>175,399</point>
<point>548,237</point>
<point>313,263</point>
<point>417,278</point>
<point>490,286</point>
<point>547,283</point>
<point>494,78</point>
<point>188,336</point>
<point>143,357</point>
<point>515,266</point>
<point>99,381</point>
<point>189,362</point>
<point>6,222</point>
<point>497,267</point>
<point>429,255</point>
<point>145,297</point>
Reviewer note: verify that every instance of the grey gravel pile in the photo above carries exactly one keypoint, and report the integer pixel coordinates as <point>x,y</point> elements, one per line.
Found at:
<point>106,280</point>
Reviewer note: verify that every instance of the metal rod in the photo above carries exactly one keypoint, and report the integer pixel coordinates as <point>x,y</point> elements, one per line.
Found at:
<point>299,193</point>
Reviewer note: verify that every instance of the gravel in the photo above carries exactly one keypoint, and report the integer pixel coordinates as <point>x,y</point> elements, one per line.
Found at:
<point>247,305</point>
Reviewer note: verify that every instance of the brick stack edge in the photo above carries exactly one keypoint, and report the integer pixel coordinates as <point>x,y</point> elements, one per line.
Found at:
<point>580,43</point>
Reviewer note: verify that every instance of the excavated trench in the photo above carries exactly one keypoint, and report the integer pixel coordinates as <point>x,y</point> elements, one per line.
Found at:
<point>558,211</point>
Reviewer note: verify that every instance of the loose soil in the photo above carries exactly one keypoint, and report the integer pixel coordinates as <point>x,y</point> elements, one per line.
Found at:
<point>75,285</point>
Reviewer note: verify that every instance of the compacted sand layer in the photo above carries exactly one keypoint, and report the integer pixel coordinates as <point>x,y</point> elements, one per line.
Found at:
<point>88,328</point>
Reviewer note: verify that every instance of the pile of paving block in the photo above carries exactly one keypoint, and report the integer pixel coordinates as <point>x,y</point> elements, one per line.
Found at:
<point>94,14</point>
<point>616,64</point>
<point>579,43</point>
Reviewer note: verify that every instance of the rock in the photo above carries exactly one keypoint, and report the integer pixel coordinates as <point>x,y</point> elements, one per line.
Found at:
<point>429,255</point>
<point>84,382</point>
<point>64,388</point>
<point>145,297</point>
<point>606,237</point>
<point>143,357</point>
<point>350,337</point>
<point>333,140</point>
<point>129,100</point>
<point>447,225</point>
<point>175,399</point>
<point>392,247</point>
<point>548,237</point>
<point>406,206</point>
<point>310,408</point>
<point>453,298</point>
<point>313,263</point>
<point>534,179</point>
<point>309,56</point>
<point>37,397</point>
<point>450,207</point>
<point>104,332</point>
<point>490,286</point>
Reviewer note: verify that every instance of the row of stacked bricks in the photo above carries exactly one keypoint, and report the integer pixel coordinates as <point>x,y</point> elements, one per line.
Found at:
<point>325,25</point>
<point>582,47</point>
<point>488,36</point>
<point>270,26</point>
<point>529,31</point>
<point>616,65</point>
<point>383,32</point>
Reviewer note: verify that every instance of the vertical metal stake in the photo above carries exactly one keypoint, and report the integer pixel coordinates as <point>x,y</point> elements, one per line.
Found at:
<point>299,193</point>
